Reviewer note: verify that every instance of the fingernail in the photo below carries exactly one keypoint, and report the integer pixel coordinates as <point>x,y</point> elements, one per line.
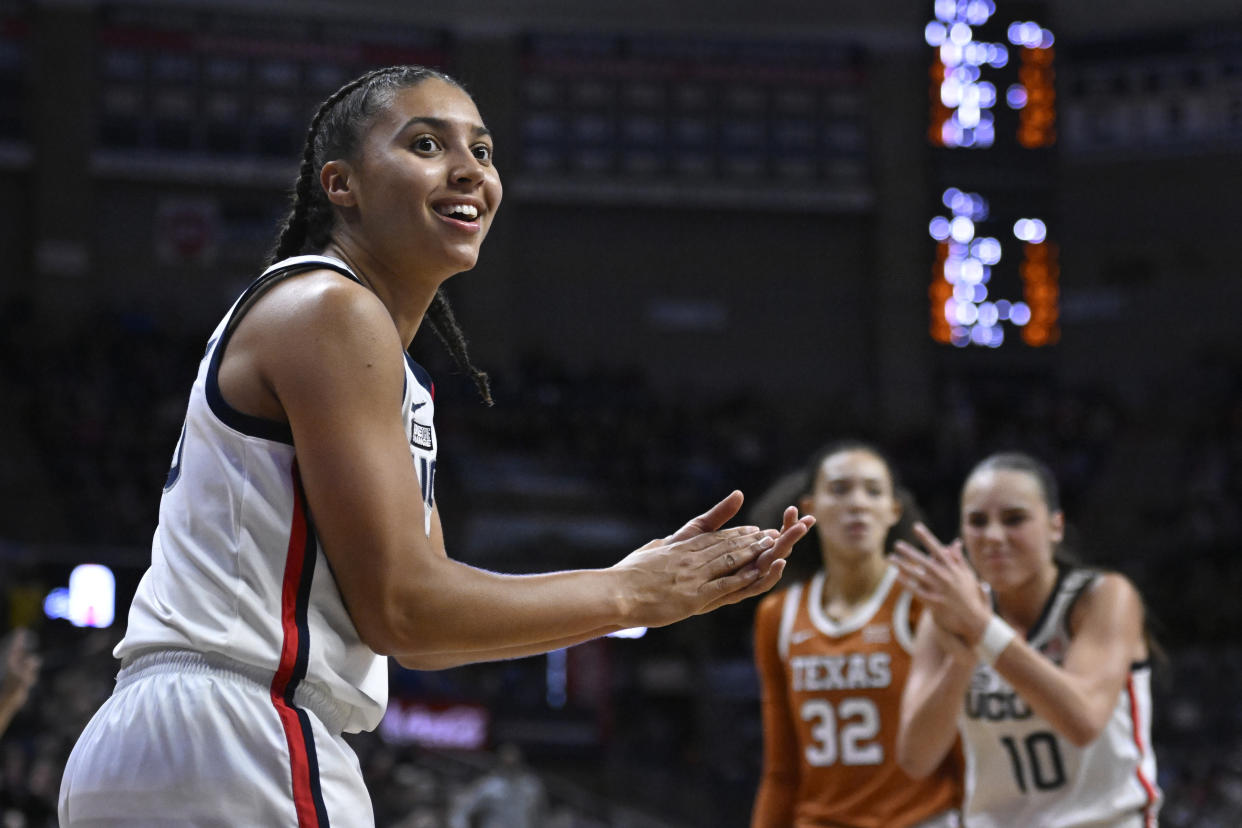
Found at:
<point>765,542</point>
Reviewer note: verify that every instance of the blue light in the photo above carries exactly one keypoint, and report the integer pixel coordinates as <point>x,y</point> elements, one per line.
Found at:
<point>981,293</point>
<point>938,228</point>
<point>972,272</point>
<point>953,270</point>
<point>946,10</point>
<point>935,33</point>
<point>981,335</point>
<point>967,313</point>
<point>960,34</point>
<point>987,94</point>
<point>1046,39</point>
<point>949,195</point>
<point>1030,230</point>
<point>978,11</point>
<point>976,54</point>
<point>1003,308</point>
<point>962,229</point>
<point>960,337</point>
<point>988,314</point>
<point>951,134</point>
<point>1015,96</point>
<point>987,250</point>
<point>951,93</point>
<point>1019,314</point>
<point>998,55</point>
<point>978,207</point>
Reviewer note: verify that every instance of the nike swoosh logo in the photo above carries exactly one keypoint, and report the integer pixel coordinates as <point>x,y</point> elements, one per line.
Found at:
<point>800,636</point>
<point>414,408</point>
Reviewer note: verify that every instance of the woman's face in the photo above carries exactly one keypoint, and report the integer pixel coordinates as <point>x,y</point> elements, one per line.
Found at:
<point>853,503</point>
<point>1007,529</point>
<point>424,185</point>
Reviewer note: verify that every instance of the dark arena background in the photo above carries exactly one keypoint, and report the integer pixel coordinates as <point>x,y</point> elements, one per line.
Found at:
<point>732,232</point>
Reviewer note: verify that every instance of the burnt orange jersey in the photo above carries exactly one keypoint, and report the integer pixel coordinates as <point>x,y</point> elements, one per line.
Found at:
<point>831,698</point>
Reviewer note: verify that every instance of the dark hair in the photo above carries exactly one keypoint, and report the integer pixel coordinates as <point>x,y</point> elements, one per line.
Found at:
<point>1025,463</point>
<point>334,133</point>
<point>1017,461</point>
<point>805,559</point>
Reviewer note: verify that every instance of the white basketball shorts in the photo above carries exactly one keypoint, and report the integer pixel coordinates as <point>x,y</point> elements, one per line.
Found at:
<point>192,740</point>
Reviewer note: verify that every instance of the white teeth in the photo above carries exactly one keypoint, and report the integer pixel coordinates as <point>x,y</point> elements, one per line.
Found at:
<point>465,212</point>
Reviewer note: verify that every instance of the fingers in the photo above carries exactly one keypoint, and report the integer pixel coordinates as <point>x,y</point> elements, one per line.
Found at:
<point>930,542</point>
<point>789,518</point>
<point>745,584</point>
<point>711,520</point>
<point>734,553</point>
<point>790,535</point>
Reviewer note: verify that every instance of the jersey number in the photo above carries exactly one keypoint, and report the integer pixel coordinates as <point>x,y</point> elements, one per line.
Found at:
<point>1038,754</point>
<point>845,733</point>
<point>427,480</point>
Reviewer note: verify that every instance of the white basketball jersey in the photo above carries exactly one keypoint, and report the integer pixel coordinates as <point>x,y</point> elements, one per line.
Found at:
<point>236,566</point>
<point>1020,772</point>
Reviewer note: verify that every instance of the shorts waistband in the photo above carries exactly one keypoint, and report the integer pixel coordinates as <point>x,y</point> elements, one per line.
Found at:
<point>330,711</point>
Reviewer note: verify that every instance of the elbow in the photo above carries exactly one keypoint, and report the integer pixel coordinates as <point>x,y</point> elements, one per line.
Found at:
<point>913,763</point>
<point>913,767</point>
<point>385,628</point>
<point>1080,734</point>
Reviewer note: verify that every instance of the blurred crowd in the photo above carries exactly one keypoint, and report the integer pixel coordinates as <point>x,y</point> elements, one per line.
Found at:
<point>1152,485</point>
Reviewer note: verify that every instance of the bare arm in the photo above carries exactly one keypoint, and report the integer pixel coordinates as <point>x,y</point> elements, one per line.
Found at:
<point>940,674</point>
<point>1077,698</point>
<point>332,358</point>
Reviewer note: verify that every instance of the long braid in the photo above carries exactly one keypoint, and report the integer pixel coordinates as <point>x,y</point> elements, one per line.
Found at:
<point>334,133</point>
<point>444,322</point>
<point>295,231</point>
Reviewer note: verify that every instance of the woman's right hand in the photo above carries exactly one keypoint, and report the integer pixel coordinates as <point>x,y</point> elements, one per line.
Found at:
<point>702,567</point>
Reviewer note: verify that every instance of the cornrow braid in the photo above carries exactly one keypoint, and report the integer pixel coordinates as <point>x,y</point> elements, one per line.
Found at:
<point>444,322</point>
<point>334,132</point>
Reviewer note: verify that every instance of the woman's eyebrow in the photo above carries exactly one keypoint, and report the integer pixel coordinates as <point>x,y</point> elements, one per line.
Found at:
<point>441,124</point>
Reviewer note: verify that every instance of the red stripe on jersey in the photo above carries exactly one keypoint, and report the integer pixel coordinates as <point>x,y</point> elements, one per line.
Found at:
<point>1149,816</point>
<point>295,559</point>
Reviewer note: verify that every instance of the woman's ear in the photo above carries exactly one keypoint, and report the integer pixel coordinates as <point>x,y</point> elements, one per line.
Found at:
<point>1057,519</point>
<point>805,503</point>
<point>899,507</point>
<point>336,178</point>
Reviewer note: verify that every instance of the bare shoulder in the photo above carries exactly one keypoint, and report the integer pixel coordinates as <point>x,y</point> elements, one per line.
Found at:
<point>320,304</point>
<point>1111,590</point>
<point>1111,607</point>
<point>308,334</point>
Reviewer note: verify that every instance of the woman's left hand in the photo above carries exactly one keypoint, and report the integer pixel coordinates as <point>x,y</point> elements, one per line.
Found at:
<point>945,583</point>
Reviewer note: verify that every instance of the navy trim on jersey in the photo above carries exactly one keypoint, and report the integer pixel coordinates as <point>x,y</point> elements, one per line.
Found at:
<point>303,657</point>
<point>1073,601</point>
<point>306,558</point>
<point>1037,628</point>
<point>247,423</point>
<point>420,374</point>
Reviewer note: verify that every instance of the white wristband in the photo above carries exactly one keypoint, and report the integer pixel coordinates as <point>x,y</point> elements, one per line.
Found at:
<point>996,637</point>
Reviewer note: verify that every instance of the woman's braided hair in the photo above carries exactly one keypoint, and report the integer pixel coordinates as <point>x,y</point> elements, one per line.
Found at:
<point>334,132</point>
